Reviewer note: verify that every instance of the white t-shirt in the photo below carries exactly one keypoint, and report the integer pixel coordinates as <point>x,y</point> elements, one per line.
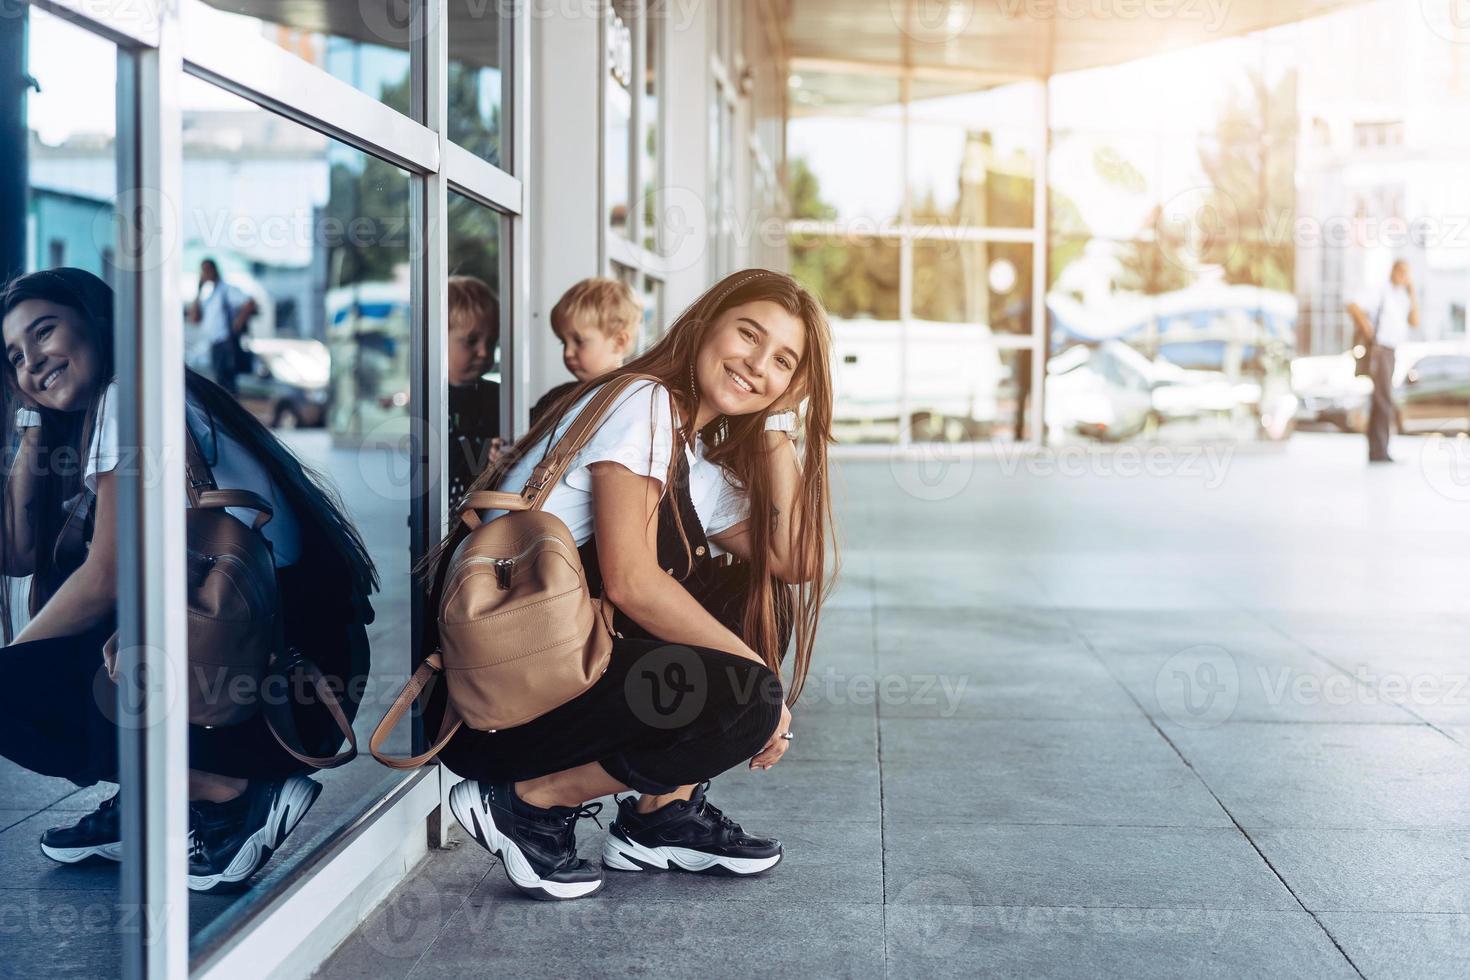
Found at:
<point>234,468</point>
<point>638,432</point>
<point>1387,307</point>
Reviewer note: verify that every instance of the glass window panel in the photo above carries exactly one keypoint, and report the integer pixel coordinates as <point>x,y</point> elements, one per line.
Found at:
<point>1103,184</point>
<point>974,177</point>
<point>649,144</point>
<point>961,386</point>
<point>987,284</point>
<point>58,167</point>
<point>967,103</point>
<point>619,88</point>
<point>857,281</point>
<point>479,42</point>
<point>653,312</point>
<point>476,319</point>
<point>364,44</point>
<point>828,187</point>
<point>317,236</point>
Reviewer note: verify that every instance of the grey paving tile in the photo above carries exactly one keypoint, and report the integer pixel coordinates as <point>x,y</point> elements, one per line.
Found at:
<point>1372,870</point>
<point>835,733</point>
<point>1237,676</point>
<point>1403,947</point>
<point>1038,686</point>
<point>1026,772</point>
<point>1087,943</point>
<point>1094,866</point>
<point>796,790</point>
<point>62,933</point>
<point>391,939</point>
<point>495,934</point>
<point>941,581</point>
<point>1341,776</point>
<point>22,789</point>
<point>1003,631</point>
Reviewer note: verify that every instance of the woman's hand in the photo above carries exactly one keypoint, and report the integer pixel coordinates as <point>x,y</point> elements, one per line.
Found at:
<point>776,747</point>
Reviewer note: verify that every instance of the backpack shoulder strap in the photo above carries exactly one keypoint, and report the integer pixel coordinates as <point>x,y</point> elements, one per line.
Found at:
<point>559,457</point>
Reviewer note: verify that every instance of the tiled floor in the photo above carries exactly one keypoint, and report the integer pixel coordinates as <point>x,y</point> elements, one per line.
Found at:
<point>1210,723</point>
<point>1199,723</point>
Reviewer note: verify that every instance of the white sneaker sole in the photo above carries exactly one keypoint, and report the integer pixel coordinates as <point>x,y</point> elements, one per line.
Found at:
<point>469,809</point>
<point>295,798</point>
<point>72,855</point>
<point>626,855</point>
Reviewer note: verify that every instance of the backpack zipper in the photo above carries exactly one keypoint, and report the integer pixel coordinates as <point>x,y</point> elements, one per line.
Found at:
<point>505,567</point>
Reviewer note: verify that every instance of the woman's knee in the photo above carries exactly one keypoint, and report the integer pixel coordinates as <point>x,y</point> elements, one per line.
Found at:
<point>756,698</point>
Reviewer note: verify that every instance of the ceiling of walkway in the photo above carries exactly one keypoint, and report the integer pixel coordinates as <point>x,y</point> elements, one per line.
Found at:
<point>1025,38</point>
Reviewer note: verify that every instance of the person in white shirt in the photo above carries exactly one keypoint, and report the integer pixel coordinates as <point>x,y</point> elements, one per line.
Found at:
<point>1383,315</point>
<point>223,317</point>
<point>698,458</point>
<point>59,403</point>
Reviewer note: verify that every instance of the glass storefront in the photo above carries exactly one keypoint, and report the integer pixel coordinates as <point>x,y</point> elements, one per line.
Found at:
<point>235,188</point>
<point>924,256</point>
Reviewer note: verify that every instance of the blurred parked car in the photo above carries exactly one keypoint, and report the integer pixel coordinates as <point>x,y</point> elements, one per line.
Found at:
<point>954,372</point>
<point>289,387</point>
<point>1431,386</point>
<point>1102,392</point>
<point>1434,394</point>
<point>1330,392</point>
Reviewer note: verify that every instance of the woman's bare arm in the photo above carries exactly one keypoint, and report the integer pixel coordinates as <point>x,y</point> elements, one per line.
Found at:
<point>785,475</point>
<point>89,594</point>
<point>624,507</point>
<point>21,488</point>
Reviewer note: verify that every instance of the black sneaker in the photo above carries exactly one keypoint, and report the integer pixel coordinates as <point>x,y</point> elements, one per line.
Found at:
<point>538,846</point>
<point>96,835</point>
<point>229,842</point>
<point>687,836</point>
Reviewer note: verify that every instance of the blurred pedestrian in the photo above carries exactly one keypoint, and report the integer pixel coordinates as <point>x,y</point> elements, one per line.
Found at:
<point>223,315</point>
<point>1395,310</point>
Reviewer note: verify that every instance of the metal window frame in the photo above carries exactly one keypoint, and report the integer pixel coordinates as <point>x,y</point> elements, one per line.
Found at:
<point>614,249</point>
<point>153,749</point>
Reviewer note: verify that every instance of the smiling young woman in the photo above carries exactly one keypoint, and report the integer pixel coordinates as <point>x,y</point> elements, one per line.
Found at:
<point>59,415</point>
<point>697,463</point>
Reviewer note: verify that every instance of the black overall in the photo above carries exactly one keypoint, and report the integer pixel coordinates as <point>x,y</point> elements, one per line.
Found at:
<point>663,715</point>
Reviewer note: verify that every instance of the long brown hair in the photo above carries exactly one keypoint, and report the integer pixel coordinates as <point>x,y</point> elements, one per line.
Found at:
<point>736,444</point>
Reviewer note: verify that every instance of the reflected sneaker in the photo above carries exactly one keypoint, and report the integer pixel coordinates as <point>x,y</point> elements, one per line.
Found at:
<point>229,842</point>
<point>691,835</point>
<point>98,834</point>
<point>537,845</point>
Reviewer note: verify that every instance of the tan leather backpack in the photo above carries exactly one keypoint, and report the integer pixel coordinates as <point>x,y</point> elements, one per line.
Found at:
<point>519,633</point>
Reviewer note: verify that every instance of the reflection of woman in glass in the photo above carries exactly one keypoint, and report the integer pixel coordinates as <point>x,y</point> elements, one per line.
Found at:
<point>704,461</point>
<point>59,405</point>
